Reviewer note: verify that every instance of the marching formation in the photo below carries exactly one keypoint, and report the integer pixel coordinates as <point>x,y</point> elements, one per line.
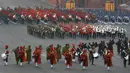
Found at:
<point>106,17</point>
<point>63,23</point>
<point>74,30</point>
<point>83,53</point>
<point>38,15</point>
<point>23,54</point>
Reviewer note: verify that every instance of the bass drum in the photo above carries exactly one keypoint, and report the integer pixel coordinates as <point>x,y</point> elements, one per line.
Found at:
<point>96,55</point>
<point>3,56</point>
<point>127,57</point>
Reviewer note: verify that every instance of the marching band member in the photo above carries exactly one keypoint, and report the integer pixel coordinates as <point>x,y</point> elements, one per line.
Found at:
<point>37,56</point>
<point>29,55</point>
<point>7,54</point>
<point>58,48</point>
<point>92,51</point>
<point>125,58</point>
<point>118,43</point>
<point>108,59</point>
<point>16,54</point>
<point>68,59</point>
<point>21,55</point>
<point>104,56</point>
<point>52,57</point>
<point>110,45</point>
<point>47,52</point>
<point>84,59</point>
<point>24,57</point>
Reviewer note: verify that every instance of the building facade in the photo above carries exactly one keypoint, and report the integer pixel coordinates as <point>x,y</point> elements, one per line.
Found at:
<point>118,2</point>
<point>95,3</point>
<point>80,3</point>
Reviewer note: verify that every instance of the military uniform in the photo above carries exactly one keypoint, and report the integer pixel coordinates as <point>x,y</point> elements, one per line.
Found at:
<point>7,54</point>
<point>84,59</point>
<point>29,55</point>
<point>37,56</point>
<point>58,48</point>
<point>16,54</point>
<point>21,55</point>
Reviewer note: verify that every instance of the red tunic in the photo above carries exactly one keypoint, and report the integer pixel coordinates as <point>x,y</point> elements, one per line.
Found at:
<point>6,51</point>
<point>38,54</point>
<point>52,57</point>
<point>11,16</point>
<point>84,59</point>
<point>68,59</point>
<point>21,54</point>
<point>108,59</point>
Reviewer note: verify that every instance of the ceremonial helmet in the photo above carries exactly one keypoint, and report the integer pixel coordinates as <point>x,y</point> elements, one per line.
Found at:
<point>6,46</point>
<point>21,47</point>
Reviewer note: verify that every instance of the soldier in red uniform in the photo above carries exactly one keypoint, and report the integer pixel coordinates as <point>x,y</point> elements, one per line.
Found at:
<point>7,54</point>
<point>68,59</point>
<point>84,59</point>
<point>21,55</point>
<point>37,56</point>
<point>52,57</point>
<point>38,18</point>
<point>108,59</point>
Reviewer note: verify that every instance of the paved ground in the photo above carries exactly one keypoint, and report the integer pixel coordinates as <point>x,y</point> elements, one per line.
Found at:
<point>15,35</point>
